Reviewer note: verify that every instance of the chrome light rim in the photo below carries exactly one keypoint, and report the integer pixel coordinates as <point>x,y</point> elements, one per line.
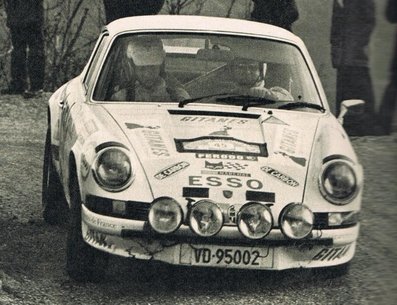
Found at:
<point>358,182</point>
<point>178,222</point>
<point>284,214</point>
<point>216,213</point>
<point>100,181</point>
<point>244,228</point>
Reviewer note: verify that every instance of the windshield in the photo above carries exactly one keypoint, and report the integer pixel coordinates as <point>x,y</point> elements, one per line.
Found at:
<point>170,67</point>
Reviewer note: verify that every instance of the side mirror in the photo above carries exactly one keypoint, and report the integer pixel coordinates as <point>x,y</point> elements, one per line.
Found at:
<point>354,107</point>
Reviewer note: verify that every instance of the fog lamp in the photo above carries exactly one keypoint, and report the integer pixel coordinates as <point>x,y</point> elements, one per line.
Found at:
<point>254,220</point>
<point>206,218</point>
<point>296,221</point>
<point>165,215</point>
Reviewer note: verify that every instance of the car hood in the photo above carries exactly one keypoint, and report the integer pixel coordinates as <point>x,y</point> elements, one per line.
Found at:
<point>223,151</point>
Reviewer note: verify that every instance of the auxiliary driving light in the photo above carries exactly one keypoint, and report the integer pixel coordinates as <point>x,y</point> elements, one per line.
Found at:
<point>165,215</point>
<point>254,220</point>
<point>206,218</point>
<point>296,221</point>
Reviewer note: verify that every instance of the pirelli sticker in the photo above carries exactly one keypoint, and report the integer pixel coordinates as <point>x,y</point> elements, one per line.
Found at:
<point>280,176</point>
<point>171,170</point>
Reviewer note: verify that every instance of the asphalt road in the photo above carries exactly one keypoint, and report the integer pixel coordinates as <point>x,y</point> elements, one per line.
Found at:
<point>32,253</point>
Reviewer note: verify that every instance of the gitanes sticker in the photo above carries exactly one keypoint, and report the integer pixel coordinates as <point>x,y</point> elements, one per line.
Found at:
<point>171,170</point>
<point>282,177</point>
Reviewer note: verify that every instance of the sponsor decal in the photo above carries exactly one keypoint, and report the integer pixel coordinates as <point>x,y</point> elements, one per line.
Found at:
<point>100,223</point>
<point>289,141</point>
<point>84,167</point>
<point>222,132</point>
<point>227,194</point>
<point>90,127</point>
<point>98,238</point>
<point>225,173</point>
<point>226,156</point>
<point>171,170</point>
<point>273,120</point>
<point>225,165</point>
<point>282,177</point>
<point>207,119</point>
<point>232,182</point>
<point>156,143</point>
<point>235,166</point>
<point>331,254</point>
<point>135,126</point>
<point>210,165</point>
<point>232,214</point>
<point>298,160</point>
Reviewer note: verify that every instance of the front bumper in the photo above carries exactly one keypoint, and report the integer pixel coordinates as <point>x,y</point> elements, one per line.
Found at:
<point>229,249</point>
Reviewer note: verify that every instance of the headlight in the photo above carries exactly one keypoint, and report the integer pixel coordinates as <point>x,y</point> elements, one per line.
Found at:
<point>254,220</point>
<point>296,221</point>
<point>113,170</point>
<point>165,215</point>
<point>338,182</point>
<point>206,218</point>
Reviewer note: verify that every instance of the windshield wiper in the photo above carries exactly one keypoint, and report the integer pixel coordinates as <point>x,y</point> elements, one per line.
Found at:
<point>249,100</point>
<point>294,105</point>
<point>192,100</point>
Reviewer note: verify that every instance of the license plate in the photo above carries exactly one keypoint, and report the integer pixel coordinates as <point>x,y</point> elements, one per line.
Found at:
<point>227,256</point>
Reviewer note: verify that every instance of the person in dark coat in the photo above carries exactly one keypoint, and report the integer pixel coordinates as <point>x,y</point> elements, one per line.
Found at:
<point>25,19</point>
<point>282,13</point>
<point>352,24</point>
<point>388,105</point>
<point>115,9</point>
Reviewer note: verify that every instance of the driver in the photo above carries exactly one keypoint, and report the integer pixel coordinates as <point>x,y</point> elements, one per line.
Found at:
<point>248,77</point>
<point>150,82</point>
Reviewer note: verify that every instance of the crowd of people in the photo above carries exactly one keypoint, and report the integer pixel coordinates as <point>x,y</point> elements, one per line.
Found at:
<point>353,22</point>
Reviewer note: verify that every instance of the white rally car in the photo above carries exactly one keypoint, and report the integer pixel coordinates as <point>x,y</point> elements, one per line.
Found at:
<point>226,155</point>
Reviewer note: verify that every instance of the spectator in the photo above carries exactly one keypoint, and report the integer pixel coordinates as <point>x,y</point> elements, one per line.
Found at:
<point>25,20</point>
<point>352,24</point>
<point>115,9</point>
<point>150,82</point>
<point>282,13</point>
<point>388,105</point>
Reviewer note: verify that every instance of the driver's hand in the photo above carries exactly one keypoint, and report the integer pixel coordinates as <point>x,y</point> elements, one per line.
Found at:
<point>259,92</point>
<point>281,94</point>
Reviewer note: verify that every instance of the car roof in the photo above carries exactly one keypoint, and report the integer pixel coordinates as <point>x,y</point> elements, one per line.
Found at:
<point>199,23</point>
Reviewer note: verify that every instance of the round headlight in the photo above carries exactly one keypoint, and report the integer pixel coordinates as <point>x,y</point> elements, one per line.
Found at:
<point>113,170</point>
<point>296,221</point>
<point>338,182</point>
<point>165,215</point>
<point>206,218</point>
<point>254,220</point>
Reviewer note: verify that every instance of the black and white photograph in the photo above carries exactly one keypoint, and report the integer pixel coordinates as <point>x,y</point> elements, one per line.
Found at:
<point>180,152</point>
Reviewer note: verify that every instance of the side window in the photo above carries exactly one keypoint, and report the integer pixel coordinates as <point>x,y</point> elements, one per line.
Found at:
<point>90,76</point>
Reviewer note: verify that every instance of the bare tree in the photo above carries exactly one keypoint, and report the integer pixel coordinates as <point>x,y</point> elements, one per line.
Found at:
<point>229,11</point>
<point>66,47</point>
<point>199,6</point>
<point>174,7</point>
